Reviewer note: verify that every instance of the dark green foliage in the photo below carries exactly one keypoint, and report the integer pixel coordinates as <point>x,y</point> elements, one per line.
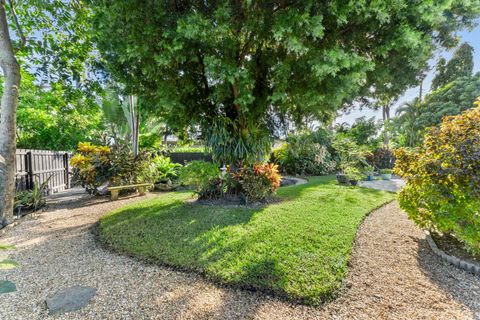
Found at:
<point>297,248</point>
<point>214,188</point>
<point>461,65</point>
<point>306,154</point>
<point>440,78</point>
<point>55,117</point>
<point>242,65</point>
<point>452,99</point>
<point>162,169</point>
<point>199,174</point>
<point>414,119</point>
<point>381,158</point>
<point>228,145</point>
<point>363,131</point>
<point>350,155</point>
<point>125,169</point>
<point>32,199</point>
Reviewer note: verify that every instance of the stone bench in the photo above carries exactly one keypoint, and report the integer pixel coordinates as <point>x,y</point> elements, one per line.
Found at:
<point>141,189</point>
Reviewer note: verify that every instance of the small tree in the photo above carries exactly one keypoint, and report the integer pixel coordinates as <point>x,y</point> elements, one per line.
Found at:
<point>58,47</point>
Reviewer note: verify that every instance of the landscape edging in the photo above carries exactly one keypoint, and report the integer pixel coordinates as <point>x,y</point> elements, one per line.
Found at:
<point>459,263</point>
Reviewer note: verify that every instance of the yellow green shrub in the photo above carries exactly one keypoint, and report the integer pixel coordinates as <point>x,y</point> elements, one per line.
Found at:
<point>443,179</point>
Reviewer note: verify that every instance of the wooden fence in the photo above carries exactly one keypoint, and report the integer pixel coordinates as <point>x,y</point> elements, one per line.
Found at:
<point>38,166</point>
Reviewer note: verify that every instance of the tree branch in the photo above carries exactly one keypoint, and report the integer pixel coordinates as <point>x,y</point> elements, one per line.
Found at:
<point>17,24</point>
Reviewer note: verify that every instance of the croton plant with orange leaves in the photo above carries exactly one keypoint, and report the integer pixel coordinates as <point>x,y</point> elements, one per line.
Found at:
<point>259,180</point>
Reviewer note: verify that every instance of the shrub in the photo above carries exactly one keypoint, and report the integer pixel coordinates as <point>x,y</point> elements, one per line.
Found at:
<point>353,173</point>
<point>199,174</point>
<point>188,149</point>
<point>258,181</point>
<point>443,182</point>
<point>91,165</point>
<point>381,158</point>
<point>95,165</point>
<point>305,155</point>
<point>350,155</point>
<point>127,169</point>
<point>386,171</point>
<point>163,169</point>
<point>213,189</point>
<point>32,199</point>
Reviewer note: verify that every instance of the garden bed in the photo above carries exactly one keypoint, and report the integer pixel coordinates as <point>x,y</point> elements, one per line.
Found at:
<point>297,249</point>
<point>453,247</point>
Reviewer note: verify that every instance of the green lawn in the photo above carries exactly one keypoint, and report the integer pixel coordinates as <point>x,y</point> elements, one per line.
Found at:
<point>297,248</point>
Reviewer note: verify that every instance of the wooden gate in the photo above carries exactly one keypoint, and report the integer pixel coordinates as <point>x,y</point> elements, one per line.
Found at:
<point>38,166</point>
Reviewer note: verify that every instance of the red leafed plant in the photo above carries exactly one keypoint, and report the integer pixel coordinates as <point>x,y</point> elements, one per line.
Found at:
<point>258,181</point>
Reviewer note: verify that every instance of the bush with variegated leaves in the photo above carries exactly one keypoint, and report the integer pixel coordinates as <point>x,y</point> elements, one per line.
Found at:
<point>443,179</point>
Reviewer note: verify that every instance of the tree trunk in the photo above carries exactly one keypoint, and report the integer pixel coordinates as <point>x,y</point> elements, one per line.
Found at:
<point>8,109</point>
<point>420,92</point>
<point>165,136</point>
<point>134,126</point>
<point>386,120</point>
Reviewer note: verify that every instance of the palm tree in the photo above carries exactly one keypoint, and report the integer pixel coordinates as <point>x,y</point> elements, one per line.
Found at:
<point>408,114</point>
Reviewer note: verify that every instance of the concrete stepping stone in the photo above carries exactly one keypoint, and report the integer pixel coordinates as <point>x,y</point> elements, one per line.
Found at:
<point>7,286</point>
<point>70,299</point>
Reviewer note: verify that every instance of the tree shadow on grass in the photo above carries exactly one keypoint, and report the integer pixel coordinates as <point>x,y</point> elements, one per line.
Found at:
<point>461,285</point>
<point>197,238</point>
<point>242,246</point>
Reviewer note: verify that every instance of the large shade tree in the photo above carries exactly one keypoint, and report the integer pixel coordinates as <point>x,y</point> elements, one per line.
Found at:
<point>230,66</point>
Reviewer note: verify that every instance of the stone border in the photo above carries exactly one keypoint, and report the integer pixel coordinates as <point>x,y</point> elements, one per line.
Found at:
<point>459,263</point>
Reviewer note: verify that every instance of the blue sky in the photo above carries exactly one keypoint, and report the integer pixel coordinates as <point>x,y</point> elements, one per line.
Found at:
<point>472,37</point>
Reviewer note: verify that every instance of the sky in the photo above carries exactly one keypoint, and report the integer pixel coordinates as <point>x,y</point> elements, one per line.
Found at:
<point>472,37</point>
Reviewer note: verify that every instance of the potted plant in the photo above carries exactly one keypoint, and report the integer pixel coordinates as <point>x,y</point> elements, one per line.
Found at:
<point>353,175</point>
<point>369,172</point>
<point>386,174</point>
<point>342,178</point>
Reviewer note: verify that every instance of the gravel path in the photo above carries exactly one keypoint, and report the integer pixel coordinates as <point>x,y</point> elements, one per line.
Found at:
<point>394,276</point>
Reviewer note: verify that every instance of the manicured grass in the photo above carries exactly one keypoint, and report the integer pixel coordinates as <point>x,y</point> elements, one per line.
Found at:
<point>297,248</point>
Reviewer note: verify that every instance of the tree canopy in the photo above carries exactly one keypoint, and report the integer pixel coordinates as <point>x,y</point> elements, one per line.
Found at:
<point>461,65</point>
<point>449,100</point>
<point>48,118</point>
<point>238,63</point>
<point>415,117</point>
<point>363,131</point>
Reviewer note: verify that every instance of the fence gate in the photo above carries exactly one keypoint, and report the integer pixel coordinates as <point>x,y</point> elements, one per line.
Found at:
<point>38,166</point>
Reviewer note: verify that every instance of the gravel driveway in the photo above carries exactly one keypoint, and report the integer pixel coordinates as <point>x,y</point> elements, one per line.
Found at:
<point>393,276</point>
